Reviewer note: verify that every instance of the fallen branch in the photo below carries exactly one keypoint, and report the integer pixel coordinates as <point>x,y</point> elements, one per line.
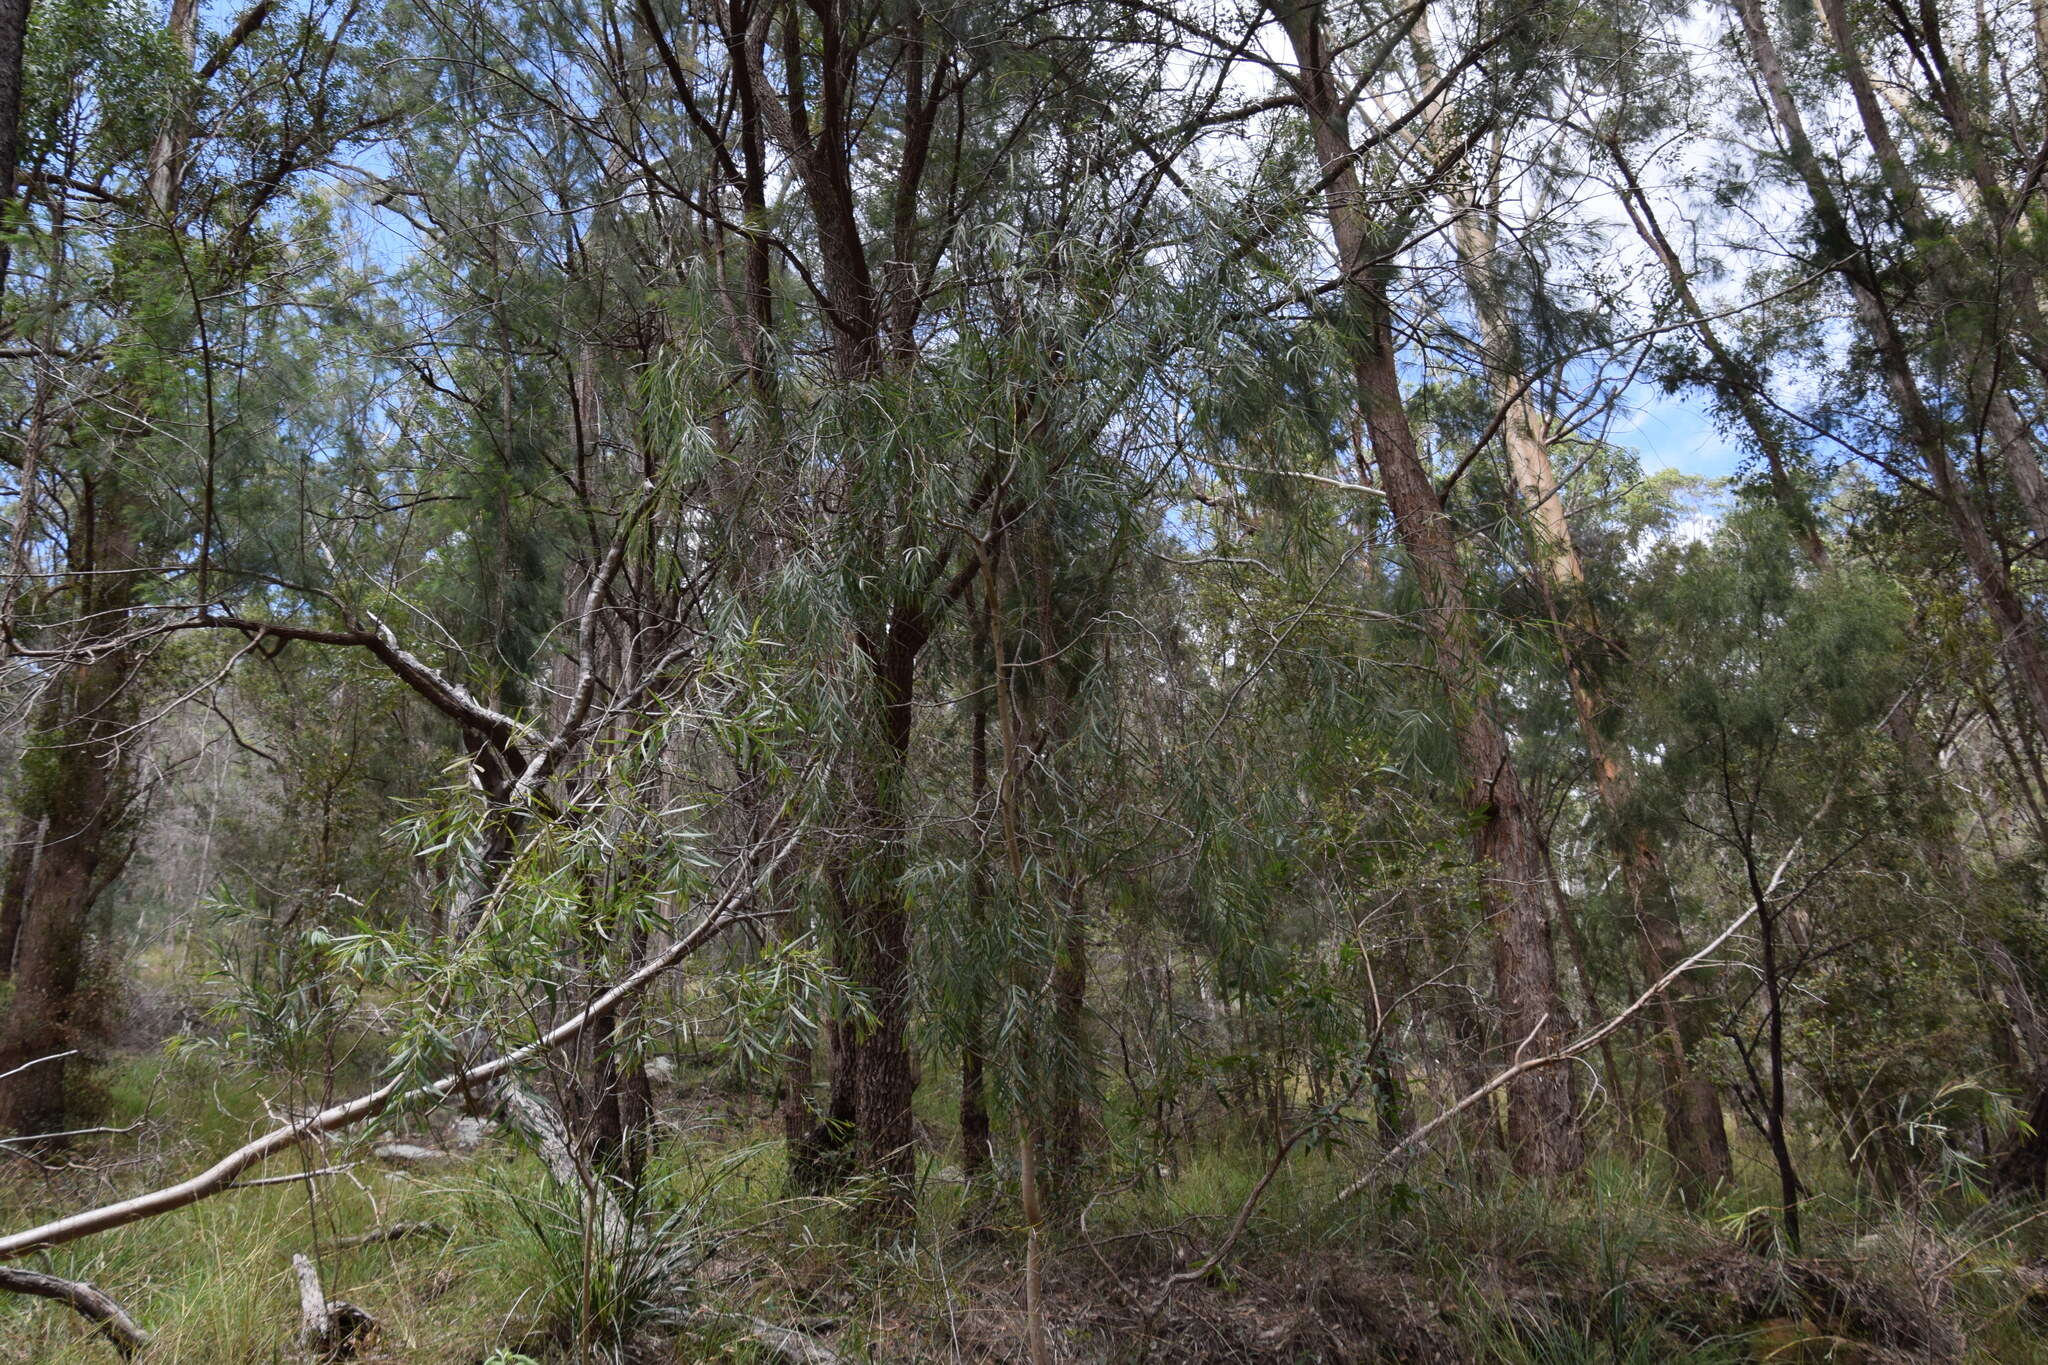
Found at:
<point>1513,1073</point>
<point>106,1316</point>
<point>545,1128</point>
<point>1589,1039</point>
<point>32,1139</point>
<point>1244,1211</point>
<point>393,1233</point>
<point>223,1174</point>
<point>38,1061</point>
<point>783,1343</point>
<point>289,1179</point>
<point>1564,1054</point>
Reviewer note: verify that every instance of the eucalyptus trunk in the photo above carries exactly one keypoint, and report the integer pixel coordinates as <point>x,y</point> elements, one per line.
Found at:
<point>1515,888</point>
<point>1695,1130</point>
<point>82,772</point>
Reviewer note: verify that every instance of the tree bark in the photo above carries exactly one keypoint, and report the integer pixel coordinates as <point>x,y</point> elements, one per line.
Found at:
<point>329,1329</point>
<point>874,921</point>
<point>1066,1134</point>
<point>817,129</point>
<point>22,856</point>
<point>974,1124</point>
<point>1543,1128</point>
<point>13,42</point>
<point>1694,1127</point>
<point>84,788</point>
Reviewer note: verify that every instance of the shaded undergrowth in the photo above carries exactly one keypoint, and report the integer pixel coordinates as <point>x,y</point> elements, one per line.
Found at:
<point>1447,1260</point>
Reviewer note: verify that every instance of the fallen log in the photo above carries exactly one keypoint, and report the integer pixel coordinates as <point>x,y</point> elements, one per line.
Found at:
<point>393,1233</point>
<point>107,1317</point>
<point>783,1343</point>
<point>545,1128</point>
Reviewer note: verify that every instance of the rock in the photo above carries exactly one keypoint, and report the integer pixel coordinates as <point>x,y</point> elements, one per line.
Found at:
<point>469,1132</point>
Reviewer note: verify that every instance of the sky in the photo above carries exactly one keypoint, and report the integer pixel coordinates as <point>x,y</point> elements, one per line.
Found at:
<point>1675,431</point>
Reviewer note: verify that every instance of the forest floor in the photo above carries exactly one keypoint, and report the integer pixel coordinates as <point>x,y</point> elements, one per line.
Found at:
<point>1449,1264</point>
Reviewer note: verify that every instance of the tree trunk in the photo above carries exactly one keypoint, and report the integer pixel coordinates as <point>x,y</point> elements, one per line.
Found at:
<point>1694,1127</point>
<point>1066,1134</point>
<point>85,791</point>
<point>22,857</point>
<point>874,923</point>
<point>13,40</point>
<point>1543,1134</point>
<point>974,1125</point>
<point>1543,1128</point>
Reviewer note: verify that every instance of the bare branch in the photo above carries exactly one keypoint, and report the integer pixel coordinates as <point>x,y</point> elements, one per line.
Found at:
<point>109,1319</point>
<point>224,1173</point>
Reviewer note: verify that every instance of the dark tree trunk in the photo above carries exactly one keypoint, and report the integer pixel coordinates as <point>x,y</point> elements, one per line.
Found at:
<point>974,1125</point>
<point>13,40</point>
<point>1543,1134</point>
<point>1695,1130</point>
<point>2023,1167</point>
<point>823,1152</point>
<point>85,792</point>
<point>22,858</point>
<point>1066,1132</point>
<point>610,1103</point>
<point>1789,1188</point>
<point>1543,1129</point>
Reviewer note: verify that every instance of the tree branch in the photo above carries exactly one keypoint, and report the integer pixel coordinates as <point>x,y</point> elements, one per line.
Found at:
<point>222,1174</point>
<point>108,1318</point>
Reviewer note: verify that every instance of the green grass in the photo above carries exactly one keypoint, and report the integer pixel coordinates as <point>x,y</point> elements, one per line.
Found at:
<point>1603,1268</point>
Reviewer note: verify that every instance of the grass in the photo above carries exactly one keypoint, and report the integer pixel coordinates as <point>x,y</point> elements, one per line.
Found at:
<point>1451,1256</point>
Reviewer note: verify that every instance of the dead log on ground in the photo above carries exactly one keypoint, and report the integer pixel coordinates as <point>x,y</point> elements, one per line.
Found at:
<point>107,1317</point>
<point>783,1343</point>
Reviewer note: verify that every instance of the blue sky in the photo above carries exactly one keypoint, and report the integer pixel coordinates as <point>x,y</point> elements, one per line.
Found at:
<point>1675,431</point>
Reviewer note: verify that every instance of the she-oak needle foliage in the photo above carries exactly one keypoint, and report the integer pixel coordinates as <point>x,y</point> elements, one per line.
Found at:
<point>1097,680</point>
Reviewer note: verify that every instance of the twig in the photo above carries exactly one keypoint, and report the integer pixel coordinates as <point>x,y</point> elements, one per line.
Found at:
<point>27,1139</point>
<point>1344,484</point>
<point>53,1057</point>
